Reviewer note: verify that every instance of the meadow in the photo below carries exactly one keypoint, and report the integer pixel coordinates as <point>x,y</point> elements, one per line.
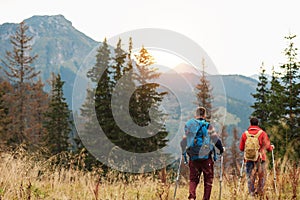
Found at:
<point>26,176</point>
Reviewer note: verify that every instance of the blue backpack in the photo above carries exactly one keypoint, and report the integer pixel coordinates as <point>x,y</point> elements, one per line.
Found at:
<point>198,139</point>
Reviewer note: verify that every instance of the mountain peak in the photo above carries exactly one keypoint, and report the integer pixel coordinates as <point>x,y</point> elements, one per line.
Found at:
<point>49,26</point>
<point>56,19</point>
<point>185,68</point>
<point>55,40</point>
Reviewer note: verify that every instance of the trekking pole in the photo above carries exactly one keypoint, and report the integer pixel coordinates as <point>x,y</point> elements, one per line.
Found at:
<point>241,174</point>
<point>221,176</point>
<point>177,178</point>
<point>274,171</point>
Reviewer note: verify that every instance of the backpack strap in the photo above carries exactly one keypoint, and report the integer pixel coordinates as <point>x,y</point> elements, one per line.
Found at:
<point>247,134</point>
<point>202,125</point>
<point>259,133</point>
<point>256,135</point>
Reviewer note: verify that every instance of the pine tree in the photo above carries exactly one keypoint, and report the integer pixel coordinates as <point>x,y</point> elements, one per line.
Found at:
<point>291,103</point>
<point>100,75</point>
<point>261,97</point>
<point>146,100</point>
<point>119,62</point>
<point>275,128</point>
<point>128,76</point>
<point>98,100</point>
<point>121,89</point>
<point>204,93</point>
<point>123,84</point>
<point>18,69</point>
<point>57,122</point>
<point>124,137</point>
<point>145,94</point>
<point>275,101</point>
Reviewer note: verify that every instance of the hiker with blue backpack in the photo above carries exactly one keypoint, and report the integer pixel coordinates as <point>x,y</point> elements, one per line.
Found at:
<point>254,143</point>
<point>199,142</point>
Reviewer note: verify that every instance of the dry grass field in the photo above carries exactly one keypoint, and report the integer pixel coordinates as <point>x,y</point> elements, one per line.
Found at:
<point>22,176</point>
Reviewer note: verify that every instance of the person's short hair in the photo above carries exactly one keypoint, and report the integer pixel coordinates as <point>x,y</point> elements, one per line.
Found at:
<point>200,112</point>
<point>254,121</point>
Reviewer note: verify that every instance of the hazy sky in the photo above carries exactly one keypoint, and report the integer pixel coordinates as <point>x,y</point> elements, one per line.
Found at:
<point>237,35</point>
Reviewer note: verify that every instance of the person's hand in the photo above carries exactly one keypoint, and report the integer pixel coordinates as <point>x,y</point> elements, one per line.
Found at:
<point>273,147</point>
<point>186,163</point>
<point>185,160</point>
<point>222,150</point>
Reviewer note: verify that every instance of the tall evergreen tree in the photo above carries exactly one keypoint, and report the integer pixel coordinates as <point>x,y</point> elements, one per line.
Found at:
<point>145,94</point>
<point>275,100</point>
<point>147,99</point>
<point>291,83</point>
<point>57,122</point>
<point>276,127</point>
<point>128,73</point>
<point>123,84</point>
<point>119,62</point>
<point>100,74</point>
<point>261,96</point>
<point>18,69</point>
<point>204,92</point>
<point>97,107</point>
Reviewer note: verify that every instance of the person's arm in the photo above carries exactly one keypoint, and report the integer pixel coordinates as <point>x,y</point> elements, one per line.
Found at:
<point>267,143</point>
<point>215,139</point>
<point>219,145</point>
<point>183,144</point>
<point>242,142</point>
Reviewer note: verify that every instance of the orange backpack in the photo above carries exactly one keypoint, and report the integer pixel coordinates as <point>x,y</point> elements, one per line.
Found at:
<point>252,146</point>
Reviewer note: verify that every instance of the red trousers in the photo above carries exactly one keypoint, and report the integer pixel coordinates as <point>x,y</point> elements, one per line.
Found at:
<point>198,167</point>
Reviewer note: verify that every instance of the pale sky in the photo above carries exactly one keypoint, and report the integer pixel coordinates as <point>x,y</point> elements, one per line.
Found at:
<point>237,35</point>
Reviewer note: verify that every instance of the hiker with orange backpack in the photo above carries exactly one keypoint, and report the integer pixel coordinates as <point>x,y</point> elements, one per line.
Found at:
<point>254,143</point>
